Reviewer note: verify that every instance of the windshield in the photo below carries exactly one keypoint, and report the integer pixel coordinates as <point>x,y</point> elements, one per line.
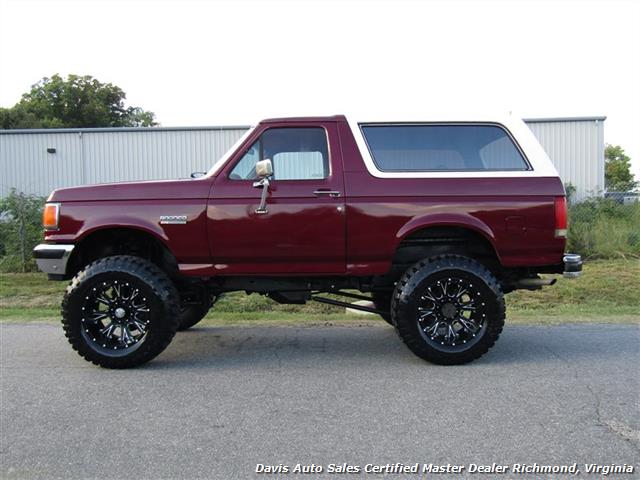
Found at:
<point>218,165</point>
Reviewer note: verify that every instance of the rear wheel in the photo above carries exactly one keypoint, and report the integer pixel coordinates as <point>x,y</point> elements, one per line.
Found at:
<point>449,309</point>
<point>120,311</point>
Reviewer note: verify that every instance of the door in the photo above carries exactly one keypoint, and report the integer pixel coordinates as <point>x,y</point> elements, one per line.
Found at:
<point>303,229</point>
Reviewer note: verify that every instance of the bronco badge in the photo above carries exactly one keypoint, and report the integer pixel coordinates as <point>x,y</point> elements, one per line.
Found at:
<point>173,219</point>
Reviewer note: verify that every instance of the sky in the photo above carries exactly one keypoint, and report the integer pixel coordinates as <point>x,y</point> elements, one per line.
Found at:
<point>234,62</point>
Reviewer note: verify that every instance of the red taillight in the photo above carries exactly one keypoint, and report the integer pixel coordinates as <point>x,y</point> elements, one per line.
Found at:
<point>560,204</point>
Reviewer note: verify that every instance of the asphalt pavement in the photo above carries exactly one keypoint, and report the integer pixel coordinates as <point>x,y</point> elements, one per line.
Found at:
<point>220,401</point>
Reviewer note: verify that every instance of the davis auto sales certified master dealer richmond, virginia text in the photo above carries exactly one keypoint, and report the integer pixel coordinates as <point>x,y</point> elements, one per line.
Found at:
<point>400,468</point>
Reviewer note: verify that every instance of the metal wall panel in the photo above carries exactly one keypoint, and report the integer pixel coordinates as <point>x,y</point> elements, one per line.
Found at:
<point>89,156</point>
<point>151,155</point>
<point>576,148</point>
<point>26,166</point>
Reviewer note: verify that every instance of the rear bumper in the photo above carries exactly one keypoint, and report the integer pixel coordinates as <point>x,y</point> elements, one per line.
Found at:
<point>52,258</point>
<point>572,265</point>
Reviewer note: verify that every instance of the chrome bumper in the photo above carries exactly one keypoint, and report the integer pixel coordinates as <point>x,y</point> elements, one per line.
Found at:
<point>52,258</point>
<point>572,265</point>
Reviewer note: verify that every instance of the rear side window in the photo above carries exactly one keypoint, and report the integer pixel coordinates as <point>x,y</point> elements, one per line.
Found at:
<point>425,148</point>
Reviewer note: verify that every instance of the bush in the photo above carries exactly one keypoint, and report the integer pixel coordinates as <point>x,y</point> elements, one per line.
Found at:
<point>20,231</point>
<point>604,228</point>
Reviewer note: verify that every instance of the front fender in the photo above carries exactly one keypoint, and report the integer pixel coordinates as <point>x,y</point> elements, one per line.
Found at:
<point>108,223</point>
<point>77,222</point>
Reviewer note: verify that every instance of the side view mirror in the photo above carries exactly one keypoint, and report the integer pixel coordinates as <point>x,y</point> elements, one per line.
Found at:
<point>198,174</point>
<point>264,168</point>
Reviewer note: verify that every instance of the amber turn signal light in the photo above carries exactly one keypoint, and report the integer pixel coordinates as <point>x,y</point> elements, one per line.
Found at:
<point>51,216</point>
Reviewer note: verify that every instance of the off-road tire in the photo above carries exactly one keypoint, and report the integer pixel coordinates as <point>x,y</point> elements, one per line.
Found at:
<point>452,271</point>
<point>161,312</point>
<point>382,301</point>
<point>191,314</point>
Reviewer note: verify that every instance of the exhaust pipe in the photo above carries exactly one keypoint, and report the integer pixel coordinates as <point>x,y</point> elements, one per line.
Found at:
<point>533,283</point>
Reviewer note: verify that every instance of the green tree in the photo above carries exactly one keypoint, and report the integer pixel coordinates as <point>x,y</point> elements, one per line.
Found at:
<point>617,170</point>
<point>77,101</point>
<point>20,230</point>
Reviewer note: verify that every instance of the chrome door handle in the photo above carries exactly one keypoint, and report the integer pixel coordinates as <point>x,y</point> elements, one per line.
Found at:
<point>331,193</point>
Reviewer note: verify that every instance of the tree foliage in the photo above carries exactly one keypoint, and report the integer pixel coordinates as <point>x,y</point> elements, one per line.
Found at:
<point>20,230</point>
<point>77,101</point>
<point>617,170</point>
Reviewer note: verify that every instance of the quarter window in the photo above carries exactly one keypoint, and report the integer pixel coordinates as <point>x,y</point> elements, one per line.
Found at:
<point>415,148</point>
<point>296,154</point>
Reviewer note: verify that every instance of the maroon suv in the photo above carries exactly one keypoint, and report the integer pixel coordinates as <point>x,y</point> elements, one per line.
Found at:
<point>433,219</point>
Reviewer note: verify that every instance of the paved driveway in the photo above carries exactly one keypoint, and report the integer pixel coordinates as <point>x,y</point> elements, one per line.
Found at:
<point>221,400</point>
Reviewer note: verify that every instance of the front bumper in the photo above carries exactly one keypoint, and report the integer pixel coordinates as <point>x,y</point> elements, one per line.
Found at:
<point>572,265</point>
<point>52,258</point>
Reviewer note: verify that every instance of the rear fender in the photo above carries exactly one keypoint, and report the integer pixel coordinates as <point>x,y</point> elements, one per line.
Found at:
<point>461,220</point>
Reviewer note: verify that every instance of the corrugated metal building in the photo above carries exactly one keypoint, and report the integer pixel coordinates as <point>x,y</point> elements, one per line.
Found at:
<point>38,161</point>
<point>576,148</point>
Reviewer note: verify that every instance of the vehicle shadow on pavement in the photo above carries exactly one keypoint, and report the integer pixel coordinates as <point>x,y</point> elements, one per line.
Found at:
<point>279,347</point>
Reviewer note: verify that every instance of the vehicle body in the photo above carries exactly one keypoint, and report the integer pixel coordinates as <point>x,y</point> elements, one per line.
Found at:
<point>340,204</point>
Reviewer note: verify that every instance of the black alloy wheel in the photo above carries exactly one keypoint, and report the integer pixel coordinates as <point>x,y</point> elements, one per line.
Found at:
<point>115,316</point>
<point>450,312</point>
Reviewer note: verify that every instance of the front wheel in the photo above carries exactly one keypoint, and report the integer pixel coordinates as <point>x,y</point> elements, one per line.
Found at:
<point>448,309</point>
<point>120,311</point>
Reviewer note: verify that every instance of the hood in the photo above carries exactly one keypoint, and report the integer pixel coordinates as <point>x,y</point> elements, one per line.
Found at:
<point>148,190</point>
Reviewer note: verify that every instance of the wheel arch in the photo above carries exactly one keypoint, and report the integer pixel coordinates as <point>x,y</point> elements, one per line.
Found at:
<point>442,234</point>
<point>461,221</point>
<point>110,240</point>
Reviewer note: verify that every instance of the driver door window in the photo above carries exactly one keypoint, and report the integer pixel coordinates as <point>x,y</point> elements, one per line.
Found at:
<point>245,169</point>
<point>296,154</point>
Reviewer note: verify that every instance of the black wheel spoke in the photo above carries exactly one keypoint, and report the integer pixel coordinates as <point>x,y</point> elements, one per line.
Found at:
<point>97,316</point>
<point>427,296</point>
<point>141,327</point>
<point>103,300</point>
<point>108,330</point>
<point>425,312</point>
<point>127,338</point>
<point>461,292</point>
<point>469,325</point>
<point>133,295</point>
<point>451,335</point>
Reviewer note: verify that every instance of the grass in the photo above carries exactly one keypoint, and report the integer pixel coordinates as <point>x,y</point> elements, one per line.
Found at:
<point>603,228</point>
<point>607,289</point>
<point>606,292</point>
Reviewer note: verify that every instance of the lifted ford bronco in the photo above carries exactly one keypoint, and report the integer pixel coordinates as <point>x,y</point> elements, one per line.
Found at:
<point>433,219</point>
